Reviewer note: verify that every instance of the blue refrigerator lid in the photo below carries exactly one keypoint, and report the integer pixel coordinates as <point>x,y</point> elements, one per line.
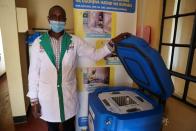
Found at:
<point>145,66</point>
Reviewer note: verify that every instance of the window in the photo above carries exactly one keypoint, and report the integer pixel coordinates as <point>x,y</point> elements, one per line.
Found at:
<point>177,46</point>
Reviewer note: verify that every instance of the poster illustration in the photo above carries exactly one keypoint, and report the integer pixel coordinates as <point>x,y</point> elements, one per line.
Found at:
<point>97,24</point>
<point>94,24</point>
<point>94,77</point>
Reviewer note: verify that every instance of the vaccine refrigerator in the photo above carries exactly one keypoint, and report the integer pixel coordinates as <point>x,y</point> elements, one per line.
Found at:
<point>133,109</point>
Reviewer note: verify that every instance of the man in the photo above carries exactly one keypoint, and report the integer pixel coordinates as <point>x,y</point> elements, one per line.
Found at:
<point>52,79</point>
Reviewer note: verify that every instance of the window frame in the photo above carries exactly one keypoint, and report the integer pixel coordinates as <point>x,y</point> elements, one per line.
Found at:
<point>187,75</point>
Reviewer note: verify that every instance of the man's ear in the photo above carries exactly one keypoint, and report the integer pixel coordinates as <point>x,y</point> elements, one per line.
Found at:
<point>48,19</point>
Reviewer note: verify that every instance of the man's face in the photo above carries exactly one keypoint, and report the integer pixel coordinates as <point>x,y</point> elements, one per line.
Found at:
<point>57,14</point>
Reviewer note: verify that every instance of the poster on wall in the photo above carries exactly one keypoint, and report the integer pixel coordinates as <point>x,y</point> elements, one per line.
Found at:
<point>92,78</point>
<point>97,21</point>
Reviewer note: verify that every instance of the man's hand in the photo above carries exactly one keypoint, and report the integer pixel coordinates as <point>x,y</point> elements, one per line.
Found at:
<point>36,109</point>
<point>120,37</point>
<point>117,39</point>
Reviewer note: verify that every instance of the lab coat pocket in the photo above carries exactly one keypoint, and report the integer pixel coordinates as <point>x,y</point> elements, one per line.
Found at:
<point>49,100</point>
<point>70,96</point>
<point>70,89</point>
<point>46,92</point>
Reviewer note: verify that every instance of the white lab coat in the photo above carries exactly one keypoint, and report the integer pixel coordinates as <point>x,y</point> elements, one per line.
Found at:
<point>43,78</point>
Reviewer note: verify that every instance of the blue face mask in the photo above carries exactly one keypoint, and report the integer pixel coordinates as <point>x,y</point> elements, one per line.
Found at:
<point>57,26</point>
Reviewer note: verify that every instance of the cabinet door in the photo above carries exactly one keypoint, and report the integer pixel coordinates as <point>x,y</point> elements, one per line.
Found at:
<point>22,20</point>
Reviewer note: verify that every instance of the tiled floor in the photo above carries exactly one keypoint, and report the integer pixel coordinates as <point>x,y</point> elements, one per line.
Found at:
<point>32,125</point>
<point>6,122</point>
<point>181,118</point>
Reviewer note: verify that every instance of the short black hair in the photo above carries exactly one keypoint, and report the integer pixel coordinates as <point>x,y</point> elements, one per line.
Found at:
<point>55,8</point>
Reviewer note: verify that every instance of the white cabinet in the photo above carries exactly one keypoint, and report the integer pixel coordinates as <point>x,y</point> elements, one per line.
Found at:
<point>22,19</point>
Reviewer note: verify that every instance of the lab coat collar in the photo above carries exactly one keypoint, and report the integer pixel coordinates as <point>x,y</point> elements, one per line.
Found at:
<point>46,44</point>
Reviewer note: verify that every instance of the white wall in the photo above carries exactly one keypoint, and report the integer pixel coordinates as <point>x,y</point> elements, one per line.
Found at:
<point>2,61</point>
<point>38,12</point>
<point>10,42</point>
<point>150,14</point>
